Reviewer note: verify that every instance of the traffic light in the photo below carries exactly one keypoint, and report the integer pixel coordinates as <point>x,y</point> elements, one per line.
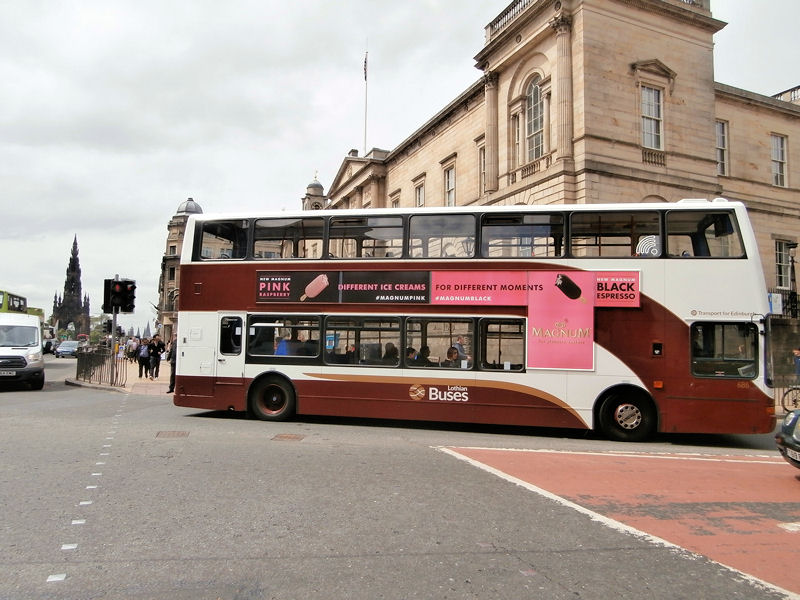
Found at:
<point>107,326</point>
<point>128,296</point>
<point>107,283</point>
<point>119,296</point>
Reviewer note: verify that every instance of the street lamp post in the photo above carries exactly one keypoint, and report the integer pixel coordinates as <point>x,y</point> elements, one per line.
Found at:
<point>792,247</point>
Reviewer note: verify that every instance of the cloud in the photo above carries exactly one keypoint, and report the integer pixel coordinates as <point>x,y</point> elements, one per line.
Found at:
<point>114,112</point>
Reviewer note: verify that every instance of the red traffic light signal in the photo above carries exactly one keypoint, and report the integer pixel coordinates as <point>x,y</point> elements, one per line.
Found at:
<point>119,296</point>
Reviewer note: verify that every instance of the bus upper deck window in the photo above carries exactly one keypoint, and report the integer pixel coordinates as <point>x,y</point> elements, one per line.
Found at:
<point>615,234</point>
<point>224,240</point>
<point>288,238</point>
<point>442,236</point>
<point>522,236</point>
<point>703,233</point>
<point>365,237</point>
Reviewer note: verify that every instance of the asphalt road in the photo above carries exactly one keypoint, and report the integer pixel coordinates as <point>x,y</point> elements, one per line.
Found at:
<point>113,495</point>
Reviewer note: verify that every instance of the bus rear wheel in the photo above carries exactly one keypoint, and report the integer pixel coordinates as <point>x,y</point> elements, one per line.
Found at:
<point>272,400</point>
<point>627,417</point>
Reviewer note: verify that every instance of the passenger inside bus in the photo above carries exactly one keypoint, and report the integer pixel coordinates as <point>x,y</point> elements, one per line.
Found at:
<point>391,356</point>
<point>423,358</point>
<point>452,360</point>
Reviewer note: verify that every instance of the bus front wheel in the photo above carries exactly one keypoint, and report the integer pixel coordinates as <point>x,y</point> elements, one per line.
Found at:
<point>627,417</point>
<point>272,400</point>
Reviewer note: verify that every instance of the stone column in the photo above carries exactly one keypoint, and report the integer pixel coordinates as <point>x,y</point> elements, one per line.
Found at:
<point>562,24</point>
<point>491,140</point>
<point>547,141</point>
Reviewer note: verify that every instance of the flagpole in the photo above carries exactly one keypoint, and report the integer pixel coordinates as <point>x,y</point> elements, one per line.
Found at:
<point>366,84</point>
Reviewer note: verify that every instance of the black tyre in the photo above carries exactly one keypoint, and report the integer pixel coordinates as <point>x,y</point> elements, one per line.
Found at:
<point>37,382</point>
<point>272,400</point>
<point>627,417</point>
<point>791,399</point>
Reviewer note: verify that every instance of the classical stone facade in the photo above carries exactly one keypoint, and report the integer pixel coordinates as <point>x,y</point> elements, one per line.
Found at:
<point>169,283</point>
<point>72,308</point>
<point>588,101</point>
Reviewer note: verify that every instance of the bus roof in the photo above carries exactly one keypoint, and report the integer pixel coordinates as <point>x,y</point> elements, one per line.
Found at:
<point>685,204</point>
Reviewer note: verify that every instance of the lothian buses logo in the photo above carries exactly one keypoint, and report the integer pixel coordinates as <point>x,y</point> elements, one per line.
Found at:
<point>451,393</point>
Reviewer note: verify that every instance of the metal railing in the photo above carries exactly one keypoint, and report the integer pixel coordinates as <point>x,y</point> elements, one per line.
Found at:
<point>789,301</point>
<point>95,366</point>
<point>511,12</point>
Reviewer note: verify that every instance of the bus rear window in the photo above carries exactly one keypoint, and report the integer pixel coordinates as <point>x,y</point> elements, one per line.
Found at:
<point>288,238</point>
<point>703,233</point>
<point>223,240</point>
<point>522,236</point>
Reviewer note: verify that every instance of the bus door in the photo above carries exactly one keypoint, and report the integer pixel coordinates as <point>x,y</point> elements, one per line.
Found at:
<point>229,362</point>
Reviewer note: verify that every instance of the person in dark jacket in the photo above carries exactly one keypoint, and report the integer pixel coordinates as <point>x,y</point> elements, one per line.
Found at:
<point>157,348</point>
<point>172,355</point>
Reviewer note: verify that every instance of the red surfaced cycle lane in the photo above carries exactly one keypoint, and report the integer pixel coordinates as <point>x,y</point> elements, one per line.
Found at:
<point>740,511</point>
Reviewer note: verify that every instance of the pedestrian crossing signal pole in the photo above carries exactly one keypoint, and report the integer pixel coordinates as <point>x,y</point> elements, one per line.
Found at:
<point>119,296</point>
<point>114,336</point>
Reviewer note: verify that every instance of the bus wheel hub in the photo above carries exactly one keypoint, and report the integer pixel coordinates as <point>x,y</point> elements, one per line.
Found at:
<point>628,416</point>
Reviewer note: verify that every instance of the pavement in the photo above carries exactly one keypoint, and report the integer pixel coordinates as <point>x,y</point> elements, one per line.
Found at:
<point>134,384</point>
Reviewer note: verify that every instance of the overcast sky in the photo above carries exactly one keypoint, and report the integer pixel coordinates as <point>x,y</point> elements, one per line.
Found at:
<point>112,113</point>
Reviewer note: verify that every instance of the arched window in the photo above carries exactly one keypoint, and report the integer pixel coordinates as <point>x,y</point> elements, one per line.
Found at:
<point>534,117</point>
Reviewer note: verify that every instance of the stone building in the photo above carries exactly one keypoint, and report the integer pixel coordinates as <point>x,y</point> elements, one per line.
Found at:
<point>587,101</point>
<point>584,101</point>
<point>169,282</point>
<point>72,307</point>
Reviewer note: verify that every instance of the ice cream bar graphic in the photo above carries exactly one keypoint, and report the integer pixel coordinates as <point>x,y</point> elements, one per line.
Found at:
<point>568,287</point>
<point>313,289</point>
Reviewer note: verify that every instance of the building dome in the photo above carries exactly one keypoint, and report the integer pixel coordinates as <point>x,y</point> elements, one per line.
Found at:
<point>316,186</point>
<point>189,207</point>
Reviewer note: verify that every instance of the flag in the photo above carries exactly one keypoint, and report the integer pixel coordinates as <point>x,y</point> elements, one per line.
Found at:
<point>365,65</point>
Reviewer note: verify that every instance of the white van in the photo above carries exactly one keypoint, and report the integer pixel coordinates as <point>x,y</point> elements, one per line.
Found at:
<point>21,358</point>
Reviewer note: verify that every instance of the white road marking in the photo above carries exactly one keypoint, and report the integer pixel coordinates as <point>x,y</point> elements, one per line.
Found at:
<point>608,522</point>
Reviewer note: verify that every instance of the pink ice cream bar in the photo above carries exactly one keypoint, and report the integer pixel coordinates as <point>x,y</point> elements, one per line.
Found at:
<point>313,289</point>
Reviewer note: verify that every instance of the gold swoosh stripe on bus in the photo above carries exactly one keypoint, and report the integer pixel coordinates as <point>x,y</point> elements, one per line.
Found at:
<point>494,385</point>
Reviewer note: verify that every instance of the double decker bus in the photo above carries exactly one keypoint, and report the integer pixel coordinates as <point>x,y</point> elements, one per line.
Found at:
<point>12,303</point>
<point>625,318</point>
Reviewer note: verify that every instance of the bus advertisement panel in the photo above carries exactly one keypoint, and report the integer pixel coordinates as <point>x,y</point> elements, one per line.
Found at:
<point>626,318</point>
<point>560,307</point>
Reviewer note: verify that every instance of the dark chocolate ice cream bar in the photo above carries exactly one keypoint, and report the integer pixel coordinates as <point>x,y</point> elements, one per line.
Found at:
<point>568,287</point>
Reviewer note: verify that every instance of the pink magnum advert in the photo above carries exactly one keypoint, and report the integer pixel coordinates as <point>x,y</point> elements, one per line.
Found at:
<point>561,320</point>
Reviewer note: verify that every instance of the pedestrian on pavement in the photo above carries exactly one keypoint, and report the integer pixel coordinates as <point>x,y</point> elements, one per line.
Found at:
<point>172,355</point>
<point>156,347</point>
<point>143,354</point>
<point>133,345</point>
